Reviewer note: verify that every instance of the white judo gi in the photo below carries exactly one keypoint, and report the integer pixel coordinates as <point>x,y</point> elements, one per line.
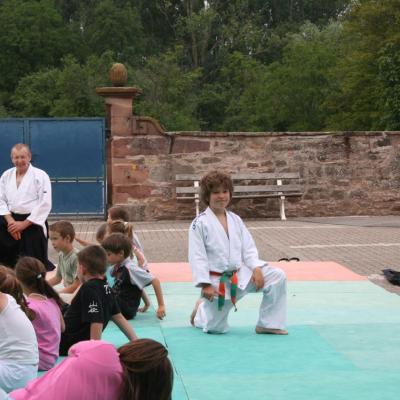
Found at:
<point>211,249</point>
<point>32,196</point>
<point>30,200</point>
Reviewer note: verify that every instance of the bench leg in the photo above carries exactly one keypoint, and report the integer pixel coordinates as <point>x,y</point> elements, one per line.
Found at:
<point>196,197</point>
<point>282,208</point>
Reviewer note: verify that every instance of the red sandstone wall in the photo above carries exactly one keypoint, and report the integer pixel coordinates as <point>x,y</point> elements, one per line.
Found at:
<point>342,173</point>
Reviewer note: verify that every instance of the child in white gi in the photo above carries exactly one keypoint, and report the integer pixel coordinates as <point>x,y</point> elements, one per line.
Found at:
<point>225,264</point>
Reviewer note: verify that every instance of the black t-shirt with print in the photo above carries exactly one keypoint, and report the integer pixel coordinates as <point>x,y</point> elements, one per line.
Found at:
<point>94,302</point>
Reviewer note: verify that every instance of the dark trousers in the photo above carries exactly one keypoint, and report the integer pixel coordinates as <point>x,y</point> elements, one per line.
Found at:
<point>33,243</point>
<point>128,301</point>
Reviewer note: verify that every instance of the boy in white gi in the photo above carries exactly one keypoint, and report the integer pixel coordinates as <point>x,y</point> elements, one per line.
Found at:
<point>225,264</point>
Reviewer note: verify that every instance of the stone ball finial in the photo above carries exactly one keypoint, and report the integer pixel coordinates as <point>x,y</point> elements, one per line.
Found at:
<point>118,74</point>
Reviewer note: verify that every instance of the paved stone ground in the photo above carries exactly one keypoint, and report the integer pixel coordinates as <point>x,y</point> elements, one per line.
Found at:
<point>366,245</point>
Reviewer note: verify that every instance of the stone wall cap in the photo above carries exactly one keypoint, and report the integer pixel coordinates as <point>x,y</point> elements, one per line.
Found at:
<point>311,134</point>
<point>118,91</point>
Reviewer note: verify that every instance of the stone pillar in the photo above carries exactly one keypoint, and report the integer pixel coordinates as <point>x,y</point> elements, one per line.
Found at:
<point>119,118</point>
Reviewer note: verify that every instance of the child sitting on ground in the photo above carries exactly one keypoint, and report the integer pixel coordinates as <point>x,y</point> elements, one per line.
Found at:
<point>18,345</point>
<point>62,235</point>
<point>126,228</point>
<point>96,370</point>
<point>129,278</point>
<point>94,304</point>
<point>46,304</point>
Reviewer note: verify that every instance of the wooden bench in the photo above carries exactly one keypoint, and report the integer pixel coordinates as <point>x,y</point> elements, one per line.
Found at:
<point>247,186</point>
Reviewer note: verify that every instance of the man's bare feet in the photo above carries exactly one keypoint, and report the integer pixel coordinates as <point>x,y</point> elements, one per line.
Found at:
<point>193,314</point>
<point>270,331</point>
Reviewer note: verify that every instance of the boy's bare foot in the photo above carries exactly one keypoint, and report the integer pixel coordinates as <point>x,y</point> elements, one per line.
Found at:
<point>193,314</point>
<point>270,331</point>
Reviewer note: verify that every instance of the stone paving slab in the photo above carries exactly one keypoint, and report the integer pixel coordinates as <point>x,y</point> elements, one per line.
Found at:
<point>366,245</point>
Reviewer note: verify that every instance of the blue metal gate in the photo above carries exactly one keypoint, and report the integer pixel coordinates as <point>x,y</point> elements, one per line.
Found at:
<point>71,151</point>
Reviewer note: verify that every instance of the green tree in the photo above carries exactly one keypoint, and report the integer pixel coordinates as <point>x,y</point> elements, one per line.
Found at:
<point>389,74</point>
<point>68,91</point>
<point>236,102</point>
<point>363,76</point>
<point>169,91</point>
<point>115,28</point>
<point>298,85</point>
<point>32,37</point>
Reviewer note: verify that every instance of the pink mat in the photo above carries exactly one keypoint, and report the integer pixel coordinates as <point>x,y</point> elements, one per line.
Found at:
<point>295,271</point>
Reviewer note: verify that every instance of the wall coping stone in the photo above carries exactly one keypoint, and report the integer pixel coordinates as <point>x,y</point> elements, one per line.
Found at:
<point>333,133</point>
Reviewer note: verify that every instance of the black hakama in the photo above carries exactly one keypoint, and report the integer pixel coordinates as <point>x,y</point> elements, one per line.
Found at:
<point>33,243</point>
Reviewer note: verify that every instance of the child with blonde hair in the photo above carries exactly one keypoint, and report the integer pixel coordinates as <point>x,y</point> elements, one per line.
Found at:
<point>118,213</point>
<point>46,304</point>
<point>18,345</point>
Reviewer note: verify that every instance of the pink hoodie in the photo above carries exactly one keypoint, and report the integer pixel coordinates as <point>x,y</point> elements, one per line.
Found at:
<point>91,371</point>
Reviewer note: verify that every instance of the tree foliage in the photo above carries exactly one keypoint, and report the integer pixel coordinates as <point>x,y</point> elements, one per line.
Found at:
<point>232,65</point>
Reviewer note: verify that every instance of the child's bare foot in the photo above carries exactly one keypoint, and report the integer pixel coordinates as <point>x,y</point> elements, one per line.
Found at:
<point>193,314</point>
<point>270,331</point>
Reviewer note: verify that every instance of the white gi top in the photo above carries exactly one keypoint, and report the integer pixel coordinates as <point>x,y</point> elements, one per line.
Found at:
<point>210,248</point>
<point>138,276</point>
<point>33,196</point>
<point>18,342</point>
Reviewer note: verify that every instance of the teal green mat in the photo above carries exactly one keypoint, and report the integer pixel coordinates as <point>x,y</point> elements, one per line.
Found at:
<point>344,343</point>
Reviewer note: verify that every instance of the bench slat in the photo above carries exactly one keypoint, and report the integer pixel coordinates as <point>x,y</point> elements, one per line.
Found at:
<point>237,177</point>
<point>187,190</point>
<point>187,177</point>
<point>253,196</point>
<point>249,196</point>
<point>266,176</point>
<point>248,189</point>
<point>267,188</point>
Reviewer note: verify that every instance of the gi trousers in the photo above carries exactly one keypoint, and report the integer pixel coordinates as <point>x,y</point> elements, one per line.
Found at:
<point>272,312</point>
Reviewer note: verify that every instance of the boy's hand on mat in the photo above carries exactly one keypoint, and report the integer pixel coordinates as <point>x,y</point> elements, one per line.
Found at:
<point>144,308</point>
<point>161,312</point>
<point>208,292</point>
<point>257,278</point>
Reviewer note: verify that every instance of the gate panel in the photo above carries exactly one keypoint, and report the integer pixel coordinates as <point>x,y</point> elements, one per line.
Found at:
<point>71,151</point>
<point>68,148</point>
<point>11,132</point>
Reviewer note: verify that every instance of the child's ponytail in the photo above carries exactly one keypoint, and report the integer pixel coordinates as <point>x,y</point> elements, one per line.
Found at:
<point>32,273</point>
<point>121,227</point>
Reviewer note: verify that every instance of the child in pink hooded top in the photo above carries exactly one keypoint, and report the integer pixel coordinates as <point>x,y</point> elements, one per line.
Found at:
<point>96,370</point>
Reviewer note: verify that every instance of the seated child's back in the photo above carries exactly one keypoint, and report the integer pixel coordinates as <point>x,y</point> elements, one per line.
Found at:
<point>18,345</point>
<point>46,304</point>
